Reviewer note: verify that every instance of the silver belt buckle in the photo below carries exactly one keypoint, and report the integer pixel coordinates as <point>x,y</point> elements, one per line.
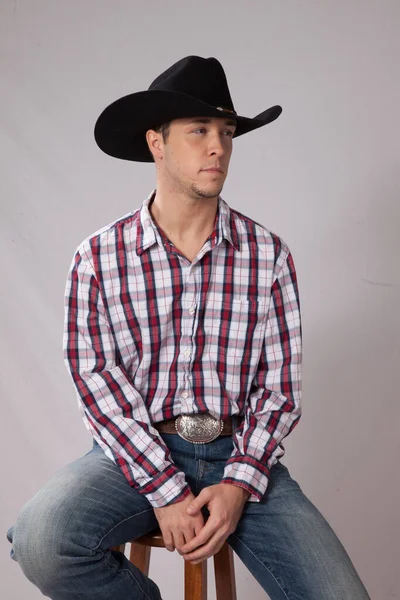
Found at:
<point>198,429</point>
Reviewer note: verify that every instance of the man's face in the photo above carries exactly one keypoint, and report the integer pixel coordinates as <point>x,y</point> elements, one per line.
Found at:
<point>194,146</point>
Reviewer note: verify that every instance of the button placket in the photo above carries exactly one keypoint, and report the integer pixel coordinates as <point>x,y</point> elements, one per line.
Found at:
<point>188,299</point>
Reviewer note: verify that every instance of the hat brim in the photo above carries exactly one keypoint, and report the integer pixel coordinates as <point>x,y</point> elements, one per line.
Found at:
<point>120,129</point>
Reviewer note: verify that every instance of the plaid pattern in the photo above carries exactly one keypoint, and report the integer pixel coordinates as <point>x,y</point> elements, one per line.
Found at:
<point>149,335</point>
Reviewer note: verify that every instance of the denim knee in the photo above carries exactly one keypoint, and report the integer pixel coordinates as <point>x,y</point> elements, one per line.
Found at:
<point>40,540</point>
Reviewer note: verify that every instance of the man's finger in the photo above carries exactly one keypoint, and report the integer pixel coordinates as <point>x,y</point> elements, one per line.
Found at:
<point>213,545</point>
<point>188,535</point>
<point>168,540</point>
<point>178,540</point>
<point>197,528</point>
<point>207,531</point>
<point>199,501</point>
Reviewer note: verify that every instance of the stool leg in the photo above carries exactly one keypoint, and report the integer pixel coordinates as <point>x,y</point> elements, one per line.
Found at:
<point>120,548</point>
<point>140,557</point>
<point>196,581</point>
<point>224,570</point>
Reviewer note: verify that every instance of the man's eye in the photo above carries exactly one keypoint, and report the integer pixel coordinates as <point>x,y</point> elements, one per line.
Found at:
<point>203,129</point>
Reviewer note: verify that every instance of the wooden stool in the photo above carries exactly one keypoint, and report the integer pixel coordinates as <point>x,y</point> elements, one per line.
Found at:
<point>195,575</point>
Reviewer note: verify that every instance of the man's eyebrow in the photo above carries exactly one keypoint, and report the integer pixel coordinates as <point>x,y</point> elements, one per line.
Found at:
<point>206,120</point>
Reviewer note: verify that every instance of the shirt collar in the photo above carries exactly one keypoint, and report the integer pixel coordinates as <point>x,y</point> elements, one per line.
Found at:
<point>148,233</point>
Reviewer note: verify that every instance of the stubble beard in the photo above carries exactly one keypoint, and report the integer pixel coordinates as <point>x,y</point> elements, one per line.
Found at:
<point>197,192</point>
<point>192,189</point>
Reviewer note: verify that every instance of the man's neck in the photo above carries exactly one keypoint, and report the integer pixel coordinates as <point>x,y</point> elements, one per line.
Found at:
<point>183,218</point>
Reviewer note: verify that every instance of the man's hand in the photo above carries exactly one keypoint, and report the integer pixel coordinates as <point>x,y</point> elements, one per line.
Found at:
<point>177,525</point>
<point>225,503</point>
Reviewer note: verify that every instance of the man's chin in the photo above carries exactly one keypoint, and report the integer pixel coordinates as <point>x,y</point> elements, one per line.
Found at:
<point>207,192</point>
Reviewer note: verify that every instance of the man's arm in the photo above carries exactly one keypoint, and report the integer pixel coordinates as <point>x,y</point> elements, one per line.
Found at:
<point>273,408</point>
<point>114,411</point>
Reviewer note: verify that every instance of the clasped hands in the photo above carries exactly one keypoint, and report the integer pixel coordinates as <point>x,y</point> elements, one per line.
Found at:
<point>182,523</point>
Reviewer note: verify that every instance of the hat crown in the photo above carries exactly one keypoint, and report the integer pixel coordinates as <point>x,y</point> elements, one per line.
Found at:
<point>201,78</point>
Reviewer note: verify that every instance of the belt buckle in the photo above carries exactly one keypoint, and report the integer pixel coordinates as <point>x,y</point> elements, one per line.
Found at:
<point>198,429</point>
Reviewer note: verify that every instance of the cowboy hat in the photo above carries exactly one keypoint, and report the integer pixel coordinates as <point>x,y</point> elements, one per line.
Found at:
<point>192,87</point>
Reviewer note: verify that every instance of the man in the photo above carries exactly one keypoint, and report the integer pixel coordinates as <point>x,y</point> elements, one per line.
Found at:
<point>183,341</point>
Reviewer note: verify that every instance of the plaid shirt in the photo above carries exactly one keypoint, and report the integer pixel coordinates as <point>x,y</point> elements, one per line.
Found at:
<point>149,335</point>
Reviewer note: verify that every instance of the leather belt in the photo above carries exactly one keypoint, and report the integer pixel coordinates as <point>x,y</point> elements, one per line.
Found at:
<point>196,428</point>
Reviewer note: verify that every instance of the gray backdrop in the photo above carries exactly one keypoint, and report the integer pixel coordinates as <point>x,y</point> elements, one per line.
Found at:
<point>324,176</point>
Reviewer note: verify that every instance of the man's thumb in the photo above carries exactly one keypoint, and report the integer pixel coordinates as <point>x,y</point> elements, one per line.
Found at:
<point>197,503</point>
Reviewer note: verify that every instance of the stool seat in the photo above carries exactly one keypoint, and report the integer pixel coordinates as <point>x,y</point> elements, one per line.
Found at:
<point>153,539</point>
<point>195,575</point>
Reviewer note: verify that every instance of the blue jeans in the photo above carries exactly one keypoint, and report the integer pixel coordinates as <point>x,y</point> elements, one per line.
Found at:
<point>62,536</point>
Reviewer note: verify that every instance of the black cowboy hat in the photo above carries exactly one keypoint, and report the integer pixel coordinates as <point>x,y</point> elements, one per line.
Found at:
<point>192,87</point>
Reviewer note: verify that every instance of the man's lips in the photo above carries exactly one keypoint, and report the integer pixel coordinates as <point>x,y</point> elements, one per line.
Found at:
<point>213,170</point>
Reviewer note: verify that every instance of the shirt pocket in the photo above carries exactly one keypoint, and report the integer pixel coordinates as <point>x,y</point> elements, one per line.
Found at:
<point>235,330</point>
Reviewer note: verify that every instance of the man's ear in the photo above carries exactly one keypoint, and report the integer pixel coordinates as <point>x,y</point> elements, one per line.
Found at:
<point>155,144</point>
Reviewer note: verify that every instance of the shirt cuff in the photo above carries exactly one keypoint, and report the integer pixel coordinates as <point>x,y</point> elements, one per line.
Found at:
<point>247,472</point>
<point>167,487</point>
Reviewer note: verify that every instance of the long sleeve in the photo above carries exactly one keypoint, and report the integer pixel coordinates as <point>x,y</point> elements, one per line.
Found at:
<point>113,410</point>
<point>273,407</point>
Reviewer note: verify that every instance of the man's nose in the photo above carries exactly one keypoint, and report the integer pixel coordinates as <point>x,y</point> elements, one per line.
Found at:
<point>216,145</point>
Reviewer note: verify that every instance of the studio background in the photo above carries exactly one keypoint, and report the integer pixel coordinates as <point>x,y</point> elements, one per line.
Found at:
<point>324,176</point>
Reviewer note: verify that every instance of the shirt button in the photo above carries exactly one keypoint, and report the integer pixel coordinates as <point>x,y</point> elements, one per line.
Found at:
<point>185,394</point>
<point>187,353</point>
<point>192,310</point>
